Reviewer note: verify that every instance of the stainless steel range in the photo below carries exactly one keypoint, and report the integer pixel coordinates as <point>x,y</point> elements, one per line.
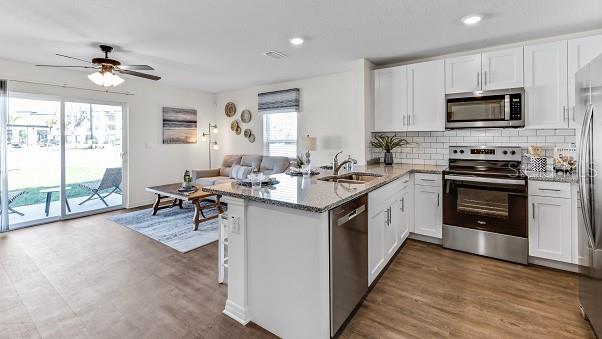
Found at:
<point>485,209</point>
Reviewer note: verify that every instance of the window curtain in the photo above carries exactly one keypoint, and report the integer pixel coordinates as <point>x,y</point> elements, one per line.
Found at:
<point>285,101</point>
<point>3,178</point>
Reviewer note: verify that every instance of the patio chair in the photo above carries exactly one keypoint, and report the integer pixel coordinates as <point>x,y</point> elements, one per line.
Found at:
<point>110,180</point>
<point>12,196</point>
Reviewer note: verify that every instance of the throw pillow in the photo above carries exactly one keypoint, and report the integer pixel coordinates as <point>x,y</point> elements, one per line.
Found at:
<point>240,172</point>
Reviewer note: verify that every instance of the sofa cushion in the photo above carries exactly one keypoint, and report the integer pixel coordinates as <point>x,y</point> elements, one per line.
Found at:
<point>274,165</point>
<point>212,181</point>
<point>240,172</point>
<point>227,163</point>
<point>251,160</point>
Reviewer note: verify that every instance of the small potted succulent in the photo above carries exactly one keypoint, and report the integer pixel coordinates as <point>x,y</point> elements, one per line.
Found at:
<point>387,144</point>
<point>187,180</point>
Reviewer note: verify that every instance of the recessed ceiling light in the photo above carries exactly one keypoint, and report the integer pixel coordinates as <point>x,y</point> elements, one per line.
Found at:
<point>471,19</point>
<point>296,41</point>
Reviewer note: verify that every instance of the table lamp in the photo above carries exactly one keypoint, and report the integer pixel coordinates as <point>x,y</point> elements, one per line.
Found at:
<point>311,144</point>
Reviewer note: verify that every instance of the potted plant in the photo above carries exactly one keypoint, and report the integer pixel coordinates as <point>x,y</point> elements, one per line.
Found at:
<point>387,144</point>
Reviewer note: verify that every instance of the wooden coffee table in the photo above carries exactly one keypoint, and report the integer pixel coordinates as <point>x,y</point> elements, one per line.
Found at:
<point>170,191</point>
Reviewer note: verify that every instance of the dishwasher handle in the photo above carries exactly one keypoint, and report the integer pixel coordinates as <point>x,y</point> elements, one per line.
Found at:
<point>342,220</point>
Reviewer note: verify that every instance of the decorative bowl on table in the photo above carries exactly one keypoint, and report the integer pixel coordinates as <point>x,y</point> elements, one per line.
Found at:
<point>264,182</point>
<point>295,171</point>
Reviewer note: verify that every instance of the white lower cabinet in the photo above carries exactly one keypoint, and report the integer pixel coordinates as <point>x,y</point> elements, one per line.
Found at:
<point>405,213</point>
<point>376,244</point>
<point>427,212</point>
<point>550,228</point>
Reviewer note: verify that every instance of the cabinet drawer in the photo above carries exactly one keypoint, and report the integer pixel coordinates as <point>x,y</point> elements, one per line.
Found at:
<point>550,189</point>
<point>426,179</point>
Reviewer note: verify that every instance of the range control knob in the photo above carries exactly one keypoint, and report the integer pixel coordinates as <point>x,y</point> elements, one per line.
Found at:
<point>513,152</point>
<point>505,152</point>
<point>455,151</point>
<point>461,151</point>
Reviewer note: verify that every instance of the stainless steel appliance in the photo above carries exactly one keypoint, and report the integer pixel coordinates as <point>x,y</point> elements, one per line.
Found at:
<point>348,259</point>
<point>588,113</point>
<point>500,108</point>
<point>485,207</point>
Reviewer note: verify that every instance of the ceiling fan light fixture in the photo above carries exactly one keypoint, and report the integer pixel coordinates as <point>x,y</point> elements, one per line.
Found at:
<point>106,79</point>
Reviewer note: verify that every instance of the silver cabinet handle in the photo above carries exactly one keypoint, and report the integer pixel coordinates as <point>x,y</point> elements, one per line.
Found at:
<point>485,77</point>
<point>549,189</point>
<point>564,115</point>
<point>438,199</point>
<point>533,210</point>
<point>428,179</point>
<point>478,79</point>
<point>390,216</point>
<point>403,204</point>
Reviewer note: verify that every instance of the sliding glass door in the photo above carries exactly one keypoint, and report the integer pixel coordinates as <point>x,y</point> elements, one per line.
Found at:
<point>62,158</point>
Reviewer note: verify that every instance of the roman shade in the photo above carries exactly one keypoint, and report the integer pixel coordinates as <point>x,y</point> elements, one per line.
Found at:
<point>284,101</point>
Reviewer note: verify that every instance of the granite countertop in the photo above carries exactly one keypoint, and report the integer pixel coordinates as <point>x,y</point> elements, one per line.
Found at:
<point>552,176</point>
<point>311,194</point>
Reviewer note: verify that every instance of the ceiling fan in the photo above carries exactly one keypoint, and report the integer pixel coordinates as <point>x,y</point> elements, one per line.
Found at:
<point>106,67</point>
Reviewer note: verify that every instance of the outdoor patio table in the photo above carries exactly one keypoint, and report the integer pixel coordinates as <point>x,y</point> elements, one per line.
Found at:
<point>49,192</point>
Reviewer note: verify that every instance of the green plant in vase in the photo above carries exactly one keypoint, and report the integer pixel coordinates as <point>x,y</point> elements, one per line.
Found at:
<point>299,162</point>
<point>187,180</point>
<point>387,144</point>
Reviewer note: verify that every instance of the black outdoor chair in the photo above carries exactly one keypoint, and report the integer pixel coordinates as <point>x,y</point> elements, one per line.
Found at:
<point>12,196</point>
<point>110,180</point>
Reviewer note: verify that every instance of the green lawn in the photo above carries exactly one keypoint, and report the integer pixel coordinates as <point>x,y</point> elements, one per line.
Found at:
<point>33,196</point>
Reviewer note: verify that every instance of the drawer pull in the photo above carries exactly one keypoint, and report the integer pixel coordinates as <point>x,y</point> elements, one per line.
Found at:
<point>550,189</point>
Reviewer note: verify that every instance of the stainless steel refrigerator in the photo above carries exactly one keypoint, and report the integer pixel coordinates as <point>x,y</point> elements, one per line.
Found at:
<point>588,113</point>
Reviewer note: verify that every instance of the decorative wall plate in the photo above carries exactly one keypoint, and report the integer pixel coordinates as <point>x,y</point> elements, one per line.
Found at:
<point>245,116</point>
<point>247,133</point>
<point>238,130</point>
<point>230,109</point>
<point>234,125</point>
<point>252,138</point>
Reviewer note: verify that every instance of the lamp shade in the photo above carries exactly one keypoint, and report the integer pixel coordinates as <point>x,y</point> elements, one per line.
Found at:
<point>311,143</point>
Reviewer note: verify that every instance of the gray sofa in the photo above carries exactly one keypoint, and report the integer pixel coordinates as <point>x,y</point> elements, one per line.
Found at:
<point>266,164</point>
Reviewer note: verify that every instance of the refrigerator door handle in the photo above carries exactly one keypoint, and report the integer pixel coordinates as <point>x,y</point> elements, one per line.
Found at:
<point>584,174</point>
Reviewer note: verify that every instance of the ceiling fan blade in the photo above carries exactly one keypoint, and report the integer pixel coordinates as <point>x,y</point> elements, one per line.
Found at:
<point>67,66</point>
<point>138,74</point>
<point>136,67</point>
<point>74,58</point>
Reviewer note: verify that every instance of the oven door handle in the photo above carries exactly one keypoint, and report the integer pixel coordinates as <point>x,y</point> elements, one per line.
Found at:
<point>485,180</point>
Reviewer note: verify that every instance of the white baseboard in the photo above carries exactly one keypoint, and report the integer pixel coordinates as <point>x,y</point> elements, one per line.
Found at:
<point>237,312</point>
<point>559,265</point>
<point>425,238</point>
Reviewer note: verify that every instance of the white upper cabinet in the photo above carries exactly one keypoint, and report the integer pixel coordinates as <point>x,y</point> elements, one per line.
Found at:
<point>546,94</point>
<point>581,51</point>
<point>484,71</point>
<point>502,69</point>
<point>463,74</point>
<point>426,96</point>
<point>390,99</point>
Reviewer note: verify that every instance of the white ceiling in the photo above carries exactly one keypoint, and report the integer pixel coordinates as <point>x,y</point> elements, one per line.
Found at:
<point>217,45</point>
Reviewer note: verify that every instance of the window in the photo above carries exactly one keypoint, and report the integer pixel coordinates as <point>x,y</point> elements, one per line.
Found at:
<point>280,134</point>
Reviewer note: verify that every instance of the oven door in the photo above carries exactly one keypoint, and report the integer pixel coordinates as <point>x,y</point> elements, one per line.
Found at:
<point>484,203</point>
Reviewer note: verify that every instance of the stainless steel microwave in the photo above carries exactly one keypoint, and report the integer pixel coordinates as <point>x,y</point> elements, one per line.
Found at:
<point>500,108</point>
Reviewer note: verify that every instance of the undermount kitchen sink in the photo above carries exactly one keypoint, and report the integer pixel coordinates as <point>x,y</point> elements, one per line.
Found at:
<point>352,178</point>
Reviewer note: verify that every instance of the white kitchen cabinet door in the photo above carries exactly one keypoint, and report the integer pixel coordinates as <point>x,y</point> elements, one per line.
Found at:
<point>550,228</point>
<point>427,211</point>
<point>390,99</point>
<point>463,74</point>
<point>502,69</point>
<point>580,52</point>
<point>426,96</point>
<point>376,248</point>
<point>546,92</point>
<point>391,237</point>
<point>404,214</point>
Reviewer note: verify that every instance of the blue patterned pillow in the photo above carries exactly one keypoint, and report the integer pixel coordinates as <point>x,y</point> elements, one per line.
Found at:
<point>240,172</point>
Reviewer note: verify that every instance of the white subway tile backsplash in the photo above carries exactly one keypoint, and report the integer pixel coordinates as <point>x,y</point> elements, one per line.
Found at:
<point>432,147</point>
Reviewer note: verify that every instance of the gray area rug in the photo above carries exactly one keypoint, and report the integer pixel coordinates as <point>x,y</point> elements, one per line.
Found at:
<point>172,227</point>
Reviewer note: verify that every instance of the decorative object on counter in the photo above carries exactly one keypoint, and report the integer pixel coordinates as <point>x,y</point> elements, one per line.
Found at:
<point>387,144</point>
<point>258,182</point>
<point>565,159</point>
<point>311,144</point>
<point>233,125</point>
<point>206,137</point>
<point>230,109</point>
<point>245,116</point>
<point>179,126</point>
<point>285,101</point>
<point>297,172</point>
<point>247,133</point>
<point>238,130</point>
<point>537,161</point>
<point>299,162</point>
<point>327,167</point>
<point>350,163</point>
<point>252,138</point>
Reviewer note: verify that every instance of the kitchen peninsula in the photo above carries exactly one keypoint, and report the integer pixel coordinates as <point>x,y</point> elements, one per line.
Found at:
<point>280,245</point>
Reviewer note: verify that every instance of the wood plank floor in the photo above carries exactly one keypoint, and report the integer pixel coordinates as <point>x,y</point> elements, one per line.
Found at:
<point>93,278</point>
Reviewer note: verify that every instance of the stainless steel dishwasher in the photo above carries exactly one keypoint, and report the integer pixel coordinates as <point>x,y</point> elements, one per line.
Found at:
<point>348,259</point>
